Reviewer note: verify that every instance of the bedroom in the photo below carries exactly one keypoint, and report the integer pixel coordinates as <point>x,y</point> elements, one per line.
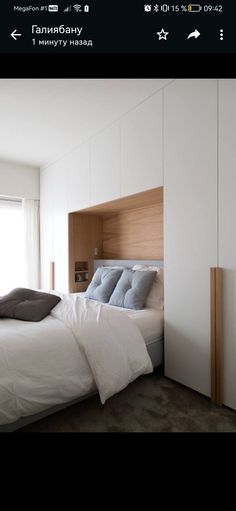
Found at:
<point>115,177</point>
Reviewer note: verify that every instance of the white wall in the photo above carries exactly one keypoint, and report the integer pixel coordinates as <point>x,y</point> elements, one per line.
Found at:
<point>122,159</point>
<point>19,180</point>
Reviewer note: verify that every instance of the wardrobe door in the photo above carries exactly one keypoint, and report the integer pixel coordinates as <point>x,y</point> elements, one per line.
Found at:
<point>142,147</point>
<point>190,227</point>
<point>60,226</point>
<point>227,237</point>
<point>78,178</point>
<point>105,165</point>
<point>46,225</point>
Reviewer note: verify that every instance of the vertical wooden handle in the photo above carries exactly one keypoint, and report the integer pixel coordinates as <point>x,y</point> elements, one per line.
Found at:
<point>216,336</point>
<point>52,275</point>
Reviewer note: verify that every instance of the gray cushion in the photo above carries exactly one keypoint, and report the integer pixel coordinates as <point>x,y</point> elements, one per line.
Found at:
<point>27,305</point>
<point>132,289</point>
<point>103,284</point>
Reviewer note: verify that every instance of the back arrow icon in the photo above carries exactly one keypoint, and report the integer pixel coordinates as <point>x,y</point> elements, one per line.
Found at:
<point>194,34</point>
<point>15,35</point>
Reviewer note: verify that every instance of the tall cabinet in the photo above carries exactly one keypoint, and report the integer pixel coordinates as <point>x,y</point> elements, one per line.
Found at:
<point>46,224</point>
<point>190,227</point>
<point>199,213</point>
<point>227,237</point>
<point>54,225</point>
<point>60,227</point>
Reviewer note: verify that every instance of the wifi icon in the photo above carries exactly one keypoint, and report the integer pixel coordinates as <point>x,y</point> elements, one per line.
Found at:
<point>77,7</point>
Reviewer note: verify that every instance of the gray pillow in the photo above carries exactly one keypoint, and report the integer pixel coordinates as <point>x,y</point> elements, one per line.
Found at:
<point>27,305</point>
<point>132,289</point>
<point>103,284</point>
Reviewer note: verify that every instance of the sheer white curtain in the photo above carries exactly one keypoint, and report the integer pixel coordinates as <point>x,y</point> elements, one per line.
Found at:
<point>31,241</point>
<point>12,267</point>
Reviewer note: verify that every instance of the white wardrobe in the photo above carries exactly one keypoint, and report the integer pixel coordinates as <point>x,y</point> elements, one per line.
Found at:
<point>183,137</point>
<point>227,234</point>
<point>123,159</point>
<point>199,211</point>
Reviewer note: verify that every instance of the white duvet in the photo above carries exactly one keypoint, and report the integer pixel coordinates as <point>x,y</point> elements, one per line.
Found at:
<point>82,345</point>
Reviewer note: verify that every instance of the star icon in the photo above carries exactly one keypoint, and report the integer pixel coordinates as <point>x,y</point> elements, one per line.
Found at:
<point>162,34</point>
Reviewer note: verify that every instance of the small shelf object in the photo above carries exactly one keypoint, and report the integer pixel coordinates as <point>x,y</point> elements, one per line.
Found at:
<point>81,271</point>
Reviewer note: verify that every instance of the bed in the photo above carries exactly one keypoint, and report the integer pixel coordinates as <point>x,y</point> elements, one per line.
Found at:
<point>48,362</point>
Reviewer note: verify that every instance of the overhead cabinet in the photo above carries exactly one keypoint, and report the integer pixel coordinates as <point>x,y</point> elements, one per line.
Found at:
<point>142,147</point>
<point>77,167</point>
<point>105,165</point>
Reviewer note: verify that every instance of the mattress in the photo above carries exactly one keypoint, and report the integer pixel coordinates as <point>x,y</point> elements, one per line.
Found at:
<point>150,322</point>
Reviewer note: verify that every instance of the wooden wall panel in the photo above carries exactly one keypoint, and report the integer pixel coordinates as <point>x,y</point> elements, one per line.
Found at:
<point>134,234</point>
<point>85,233</point>
<point>127,228</point>
<point>52,275</point>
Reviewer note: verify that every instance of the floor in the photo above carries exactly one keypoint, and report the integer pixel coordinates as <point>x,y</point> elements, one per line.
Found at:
<point>150,404</point>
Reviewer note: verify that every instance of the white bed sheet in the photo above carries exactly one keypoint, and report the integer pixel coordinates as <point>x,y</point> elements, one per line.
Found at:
<point>150,322</point>
<point>61,358</point>
<point>40,367</point>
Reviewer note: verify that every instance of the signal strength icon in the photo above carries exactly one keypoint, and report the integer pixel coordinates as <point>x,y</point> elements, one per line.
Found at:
<point>77,7</point>
<point>68,9</point>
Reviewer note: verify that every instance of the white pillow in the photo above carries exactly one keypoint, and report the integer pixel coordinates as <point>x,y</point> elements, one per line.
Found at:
<point>155,299</point>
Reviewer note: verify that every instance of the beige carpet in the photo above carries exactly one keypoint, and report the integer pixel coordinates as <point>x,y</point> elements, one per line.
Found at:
<point>150,404</point>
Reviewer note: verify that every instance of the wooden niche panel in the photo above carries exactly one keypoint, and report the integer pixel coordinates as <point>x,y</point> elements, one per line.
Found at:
<point>85,235</point>
<point>126,228</point>
<point>134,234</point>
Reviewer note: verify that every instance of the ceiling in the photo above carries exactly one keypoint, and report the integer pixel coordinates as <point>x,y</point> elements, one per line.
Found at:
<point>40,120</point>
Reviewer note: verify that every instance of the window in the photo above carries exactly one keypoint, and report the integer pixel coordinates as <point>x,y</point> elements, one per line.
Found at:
<point>12,253</point>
